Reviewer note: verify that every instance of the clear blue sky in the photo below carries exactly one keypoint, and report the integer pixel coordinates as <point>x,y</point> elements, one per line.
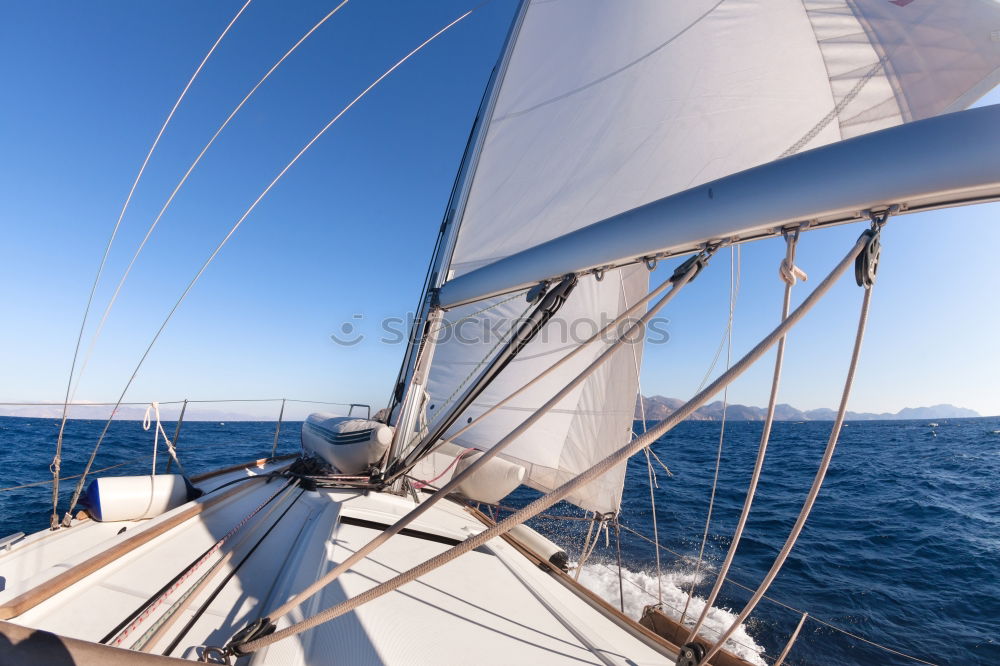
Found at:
<point>350,229</point>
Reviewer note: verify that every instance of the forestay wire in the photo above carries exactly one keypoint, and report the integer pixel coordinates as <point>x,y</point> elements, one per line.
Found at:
<point>67,518</point>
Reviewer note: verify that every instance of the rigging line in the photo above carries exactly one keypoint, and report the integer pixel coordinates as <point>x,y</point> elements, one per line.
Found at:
<point>57,459</point>
<point>583,549</point>
<point>817,481</point>
<point>726,335</point>
<point>789,274</point>
<point>149,232</point>
<point>487,455</point>
<point>649,463</point>
<point>173,612</point>
<point>539,505</point>
<point>570,355</point>
<point>733,290</point>
<point>236,226</point>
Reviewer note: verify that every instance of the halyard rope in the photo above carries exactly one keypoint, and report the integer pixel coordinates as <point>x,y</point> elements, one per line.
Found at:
<point>788,272</point>
<point>57,460</point>
<point>544,502</point>
<point>817,481</point>
<point>79,487</point>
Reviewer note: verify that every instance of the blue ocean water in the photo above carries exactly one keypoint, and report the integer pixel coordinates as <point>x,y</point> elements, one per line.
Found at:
<point>903,547</point>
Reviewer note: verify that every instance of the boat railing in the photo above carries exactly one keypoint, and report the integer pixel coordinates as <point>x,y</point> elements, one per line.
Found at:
<point>181,406</point>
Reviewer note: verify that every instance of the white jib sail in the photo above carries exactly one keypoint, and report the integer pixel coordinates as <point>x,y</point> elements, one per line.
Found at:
<point>608,105</point>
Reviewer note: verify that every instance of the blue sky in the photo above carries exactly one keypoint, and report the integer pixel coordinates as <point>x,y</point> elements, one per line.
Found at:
<point>349,230</point>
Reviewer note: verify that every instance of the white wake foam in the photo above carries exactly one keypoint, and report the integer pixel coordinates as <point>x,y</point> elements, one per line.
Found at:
<point>640,590</point>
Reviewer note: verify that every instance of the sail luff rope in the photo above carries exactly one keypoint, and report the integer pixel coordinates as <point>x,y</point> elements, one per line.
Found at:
<point>817,481</point>
<point>733,291</point>
<point>477,464</point>
<point>544,502</point>
<point>76,492</point>
<point>156,221</point>
<point>57,459</point>
<point>789,274</point>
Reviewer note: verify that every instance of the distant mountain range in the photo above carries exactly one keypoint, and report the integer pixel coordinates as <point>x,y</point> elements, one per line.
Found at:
<point>658,407</point>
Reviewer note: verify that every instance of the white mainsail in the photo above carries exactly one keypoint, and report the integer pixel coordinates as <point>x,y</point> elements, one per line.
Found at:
<point>606,106</point>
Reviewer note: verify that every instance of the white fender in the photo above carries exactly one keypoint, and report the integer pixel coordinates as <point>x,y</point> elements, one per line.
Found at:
<point>116,498</point>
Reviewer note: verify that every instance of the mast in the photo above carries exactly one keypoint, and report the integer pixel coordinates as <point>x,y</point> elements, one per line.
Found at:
<point>411,380</point>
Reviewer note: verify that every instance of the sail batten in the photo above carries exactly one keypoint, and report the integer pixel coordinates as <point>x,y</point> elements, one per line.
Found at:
<point>607,108</point>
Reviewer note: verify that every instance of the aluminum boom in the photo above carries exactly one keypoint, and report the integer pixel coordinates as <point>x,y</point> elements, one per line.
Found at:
<point>949,160</point>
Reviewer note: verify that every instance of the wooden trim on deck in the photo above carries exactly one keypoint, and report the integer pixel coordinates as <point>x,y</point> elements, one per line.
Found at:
<point>45,590</point>
<point>259,463</point>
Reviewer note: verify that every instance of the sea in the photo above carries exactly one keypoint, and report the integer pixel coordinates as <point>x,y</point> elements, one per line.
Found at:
<point>900,558</point>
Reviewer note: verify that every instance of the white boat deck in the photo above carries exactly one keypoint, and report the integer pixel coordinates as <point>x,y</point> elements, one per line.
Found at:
<point>490,606</point>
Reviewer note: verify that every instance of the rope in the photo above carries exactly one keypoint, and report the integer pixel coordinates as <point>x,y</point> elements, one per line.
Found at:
<point>158,431</point>
<point>418,484</point>
<point>153,604</point>
<point>733,291</point>
<point>539,505</point>
<point>584,550</point>
<point>168,402</point>
<point>624,316</point>
<point>149,232</point>
<point>816,485</point>
<point>235,227</point>
<point>789,273</point>
<point>457,479</point>
<point>57,459</point>
<point>649,463</point>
